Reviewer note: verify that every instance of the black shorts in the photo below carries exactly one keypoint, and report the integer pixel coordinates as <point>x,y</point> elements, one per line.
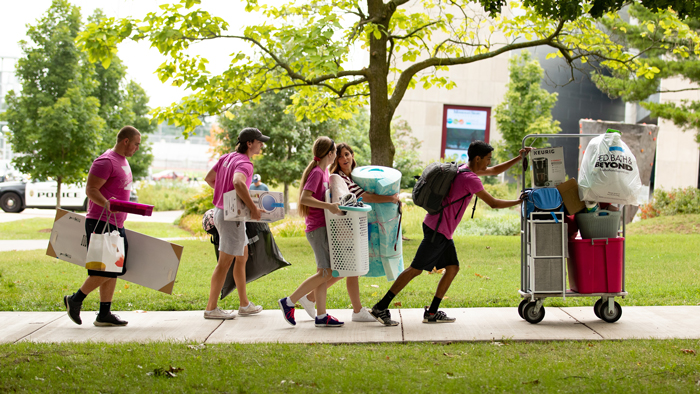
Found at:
<point>97,226</point>
<point>437,254</point>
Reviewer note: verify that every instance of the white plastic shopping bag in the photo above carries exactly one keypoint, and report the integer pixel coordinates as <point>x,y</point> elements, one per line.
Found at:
<point>609,172</point>
<point>105,251</point>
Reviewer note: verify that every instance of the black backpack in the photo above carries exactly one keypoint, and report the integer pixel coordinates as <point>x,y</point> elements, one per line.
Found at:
<point>433,185</point>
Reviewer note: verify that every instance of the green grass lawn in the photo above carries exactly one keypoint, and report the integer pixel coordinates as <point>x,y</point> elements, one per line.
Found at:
<point>678,224</point>
<point>40,228</point>
<point>661,270</point>
<point>504,367</point>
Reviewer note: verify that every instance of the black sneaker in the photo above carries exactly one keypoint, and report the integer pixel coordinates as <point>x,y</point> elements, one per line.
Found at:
<point>383,316</point>
<point>109,320</point>
<point>439,317</point>
<point>73,309</point>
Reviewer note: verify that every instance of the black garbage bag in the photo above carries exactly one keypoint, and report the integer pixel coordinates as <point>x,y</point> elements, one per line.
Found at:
<point>263,256</point>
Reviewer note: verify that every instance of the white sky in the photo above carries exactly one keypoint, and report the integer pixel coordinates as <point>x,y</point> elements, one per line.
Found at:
<point>140,59</point>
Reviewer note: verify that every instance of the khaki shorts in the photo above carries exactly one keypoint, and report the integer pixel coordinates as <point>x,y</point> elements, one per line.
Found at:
<point>232,236</point>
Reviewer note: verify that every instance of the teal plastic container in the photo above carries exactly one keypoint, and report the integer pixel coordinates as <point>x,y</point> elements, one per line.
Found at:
<point>385,248</point>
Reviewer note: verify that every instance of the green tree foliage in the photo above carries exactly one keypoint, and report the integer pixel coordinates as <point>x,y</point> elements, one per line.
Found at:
<point>288,151</point>
<point>671,58</point>
<point>407,158</point>
<point>69,110</point>
<point>122,103</point>
<point>55,123</point>
<point>306,46</point>
<point>526,109</point>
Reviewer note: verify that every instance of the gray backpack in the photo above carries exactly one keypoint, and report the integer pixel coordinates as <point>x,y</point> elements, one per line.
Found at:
<point>433,185</point>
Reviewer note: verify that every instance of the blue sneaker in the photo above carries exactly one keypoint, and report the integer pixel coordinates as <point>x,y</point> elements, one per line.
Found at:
<point>288,311</point>
<point>328,321</point>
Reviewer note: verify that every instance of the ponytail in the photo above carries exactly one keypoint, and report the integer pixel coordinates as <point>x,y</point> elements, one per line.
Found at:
<point>322,147</point>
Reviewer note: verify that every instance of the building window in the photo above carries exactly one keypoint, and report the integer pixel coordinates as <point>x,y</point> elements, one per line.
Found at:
<point>460,126</point>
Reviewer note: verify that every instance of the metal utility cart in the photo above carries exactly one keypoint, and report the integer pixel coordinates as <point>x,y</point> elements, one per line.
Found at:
<point>543,247</point>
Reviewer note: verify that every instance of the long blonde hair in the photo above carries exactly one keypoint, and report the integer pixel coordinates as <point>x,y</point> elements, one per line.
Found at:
<point>322,147</point>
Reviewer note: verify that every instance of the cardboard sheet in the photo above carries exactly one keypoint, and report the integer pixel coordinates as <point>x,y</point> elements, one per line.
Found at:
<point>569,193</point>
<point>151,262</point>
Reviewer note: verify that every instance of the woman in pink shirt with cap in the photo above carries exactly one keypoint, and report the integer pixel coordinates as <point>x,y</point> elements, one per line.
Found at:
<point>233,171</point>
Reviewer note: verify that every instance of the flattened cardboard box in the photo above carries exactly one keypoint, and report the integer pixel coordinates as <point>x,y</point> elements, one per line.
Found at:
<point>151,262</point>
<point>569,193</point>
<point>270,204</point>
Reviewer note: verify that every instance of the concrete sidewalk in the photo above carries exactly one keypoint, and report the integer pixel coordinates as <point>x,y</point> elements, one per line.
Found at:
<point>473,324</point>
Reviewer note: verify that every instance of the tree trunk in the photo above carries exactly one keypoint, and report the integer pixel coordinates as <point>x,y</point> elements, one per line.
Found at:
<point>381,110</point>
<point>58,192</point>
<point>287,210</point>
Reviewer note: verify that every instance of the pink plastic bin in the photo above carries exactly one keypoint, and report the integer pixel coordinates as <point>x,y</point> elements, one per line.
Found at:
<point>595,265</point>
<point>130,207</point>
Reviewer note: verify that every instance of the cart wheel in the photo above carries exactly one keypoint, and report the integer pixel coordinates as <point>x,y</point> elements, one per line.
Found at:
<point>608,317</point>
<point>530,315</point>
<point>596,308</point>
<point>521,307</point>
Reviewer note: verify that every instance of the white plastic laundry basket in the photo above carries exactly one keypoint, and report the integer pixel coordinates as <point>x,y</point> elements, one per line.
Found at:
<point>348,240</point>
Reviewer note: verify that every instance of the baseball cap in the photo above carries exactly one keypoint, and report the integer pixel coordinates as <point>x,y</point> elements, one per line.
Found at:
<point>256,178</point>
<point>251,134</point>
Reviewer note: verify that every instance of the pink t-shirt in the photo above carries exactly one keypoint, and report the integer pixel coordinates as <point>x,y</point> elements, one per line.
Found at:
<point>317,182</point>
<point>113,168</point>
<point>465,182</point>
<point>225,168</point>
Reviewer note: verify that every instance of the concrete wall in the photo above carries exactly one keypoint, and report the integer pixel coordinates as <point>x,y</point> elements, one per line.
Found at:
<point>480,84</point>
<point>181,156</point>
<point>677,153</point>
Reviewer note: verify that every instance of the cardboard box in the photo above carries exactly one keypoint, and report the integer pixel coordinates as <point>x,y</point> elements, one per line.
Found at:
<point>547,167</point>
<point>150,262</point>
<point>569,193</point>
<point>270,204</point>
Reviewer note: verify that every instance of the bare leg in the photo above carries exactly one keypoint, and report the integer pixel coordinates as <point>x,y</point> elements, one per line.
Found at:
<point>312,283</point>
<point>404,278</point>
<point>321,292</point>
<point>239,277</point>
<point>311,297</point>
<point>93,282</point>
<point>107,290</point>
<point>353,285</point>
<point>218,277</point>
<point>446,280</point>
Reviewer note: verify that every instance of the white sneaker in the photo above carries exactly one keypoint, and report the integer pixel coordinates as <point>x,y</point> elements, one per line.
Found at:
<point>251,309</point>
<point>363,316</point>
<point>309,307</point>
<point>219,313</point>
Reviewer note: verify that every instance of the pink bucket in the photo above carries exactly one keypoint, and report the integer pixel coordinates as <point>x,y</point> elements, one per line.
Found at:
<point>595,265</point>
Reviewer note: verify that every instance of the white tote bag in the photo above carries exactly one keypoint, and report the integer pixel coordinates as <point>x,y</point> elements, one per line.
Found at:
<point>609,172</point>
<point>106,251</point>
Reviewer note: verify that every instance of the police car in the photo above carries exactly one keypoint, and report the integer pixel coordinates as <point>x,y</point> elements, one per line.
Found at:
<point>16,196</point>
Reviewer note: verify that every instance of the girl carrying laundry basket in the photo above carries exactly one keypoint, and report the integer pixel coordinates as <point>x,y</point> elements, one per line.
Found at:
<point>314,183</point>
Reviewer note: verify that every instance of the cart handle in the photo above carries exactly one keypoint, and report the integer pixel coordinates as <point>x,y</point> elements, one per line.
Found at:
<point>557,136</point>
<point>535,136</point>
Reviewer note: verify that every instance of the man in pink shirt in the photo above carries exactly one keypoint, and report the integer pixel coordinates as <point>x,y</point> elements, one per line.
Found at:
<point>438,250</point>
<point>233,171</point>
<point>109,177</point>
